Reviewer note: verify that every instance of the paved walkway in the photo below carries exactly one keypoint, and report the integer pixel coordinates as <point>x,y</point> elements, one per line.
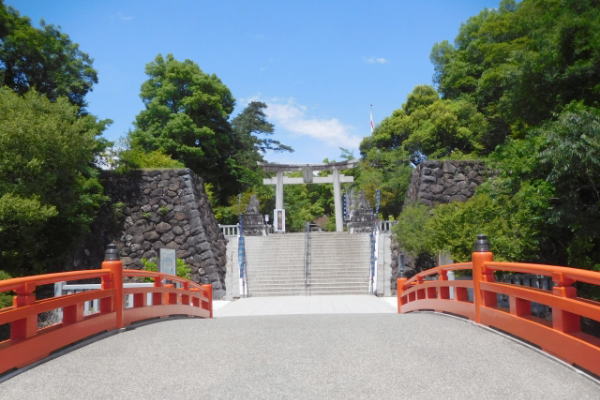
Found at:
<point>293,305</point>
<point>379,355</point>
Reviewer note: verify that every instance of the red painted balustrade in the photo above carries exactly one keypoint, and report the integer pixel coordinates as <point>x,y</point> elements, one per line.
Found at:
<point>28,343</point>
<point>561,336</point>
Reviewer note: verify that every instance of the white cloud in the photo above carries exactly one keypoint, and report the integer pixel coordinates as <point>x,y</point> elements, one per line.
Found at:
<point>376,60</point>
<point>124,17</point>
<point>293,117</point>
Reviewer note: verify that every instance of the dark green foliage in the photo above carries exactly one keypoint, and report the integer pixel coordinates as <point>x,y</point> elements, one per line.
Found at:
<point>387,171</point>
<point>5,298</point>
<point>44,59</point>
<point>186,117</point>
<point>248,145</point>
<point>410,229</point>
<point>305,203</point>
<point>49,191</point>
<point>522,62</point>
<point>514,228</point>
<point>428,126</point>
<point>543,206</point>
<point>531,72</point>
<point>252,122</point>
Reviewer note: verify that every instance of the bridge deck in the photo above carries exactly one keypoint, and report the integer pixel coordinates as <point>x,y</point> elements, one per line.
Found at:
<point>336,356</point>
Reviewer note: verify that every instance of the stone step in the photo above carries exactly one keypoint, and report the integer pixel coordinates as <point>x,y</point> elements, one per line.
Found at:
<point>339,264</point>
<point>265,268</point>
<point>313,274</point>
<point>339,268</point>
<point>275,281</point>
<point>300,267</point>
<point>309,291</point>
<point>302,288</point>
<point>294,274</point>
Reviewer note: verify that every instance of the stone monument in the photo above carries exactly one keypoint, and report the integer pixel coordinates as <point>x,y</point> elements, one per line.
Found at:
<point>362,218</point>
<point>252,219</point>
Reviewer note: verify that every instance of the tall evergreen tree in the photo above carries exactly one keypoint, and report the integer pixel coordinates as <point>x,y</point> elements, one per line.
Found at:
<point>186,116</point>
<point>44,59</point>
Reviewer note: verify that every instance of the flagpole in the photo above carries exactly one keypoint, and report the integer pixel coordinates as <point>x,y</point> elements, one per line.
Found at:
<point>372,121</point>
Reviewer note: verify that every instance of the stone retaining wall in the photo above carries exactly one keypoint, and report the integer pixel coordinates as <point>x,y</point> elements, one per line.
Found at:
<point>152,209</point>
<point>435,182</point>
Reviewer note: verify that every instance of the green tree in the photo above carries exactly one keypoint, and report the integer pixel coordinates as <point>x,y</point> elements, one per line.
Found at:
<point>44,59</point>
<point>514,224</point>
<point>251,132</point>
<point>445,127</point>
<point>305,203</point>
<point>251,123</point>
<point>523,62</point>
<point>410,229</point>
<point>389,172</point>
<point>421,96</point>
<point>186,116</point>
<point>544,203</point>
<point>49,192</point>
<point>431,127</point>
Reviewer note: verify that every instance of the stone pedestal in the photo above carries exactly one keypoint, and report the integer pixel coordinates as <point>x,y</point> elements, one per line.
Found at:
<point>254,225</point>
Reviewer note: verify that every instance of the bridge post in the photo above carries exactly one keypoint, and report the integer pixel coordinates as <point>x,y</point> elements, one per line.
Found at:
<point>399,292</point>
<point>207,288</point>
<point>26,327</point>
<point>113,263</point>
<point>564,321</point>
<point>481,254</point>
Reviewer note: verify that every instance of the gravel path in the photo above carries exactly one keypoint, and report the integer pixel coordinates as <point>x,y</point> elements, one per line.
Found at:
<point>339,356</point>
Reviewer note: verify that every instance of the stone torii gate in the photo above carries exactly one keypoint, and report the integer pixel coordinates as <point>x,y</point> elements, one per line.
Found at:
<point>336,178</point>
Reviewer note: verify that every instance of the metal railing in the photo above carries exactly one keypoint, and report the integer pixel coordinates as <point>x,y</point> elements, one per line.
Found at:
<point>562,335</point>
<point>307,255</point>
<point>374,242</point>
<point>386,226</point>
<point>93,306</point>
<point>242,264</point>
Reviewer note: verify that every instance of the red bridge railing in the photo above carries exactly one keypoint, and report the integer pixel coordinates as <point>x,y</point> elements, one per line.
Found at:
<point>29,343</point>
<point>562,336</point>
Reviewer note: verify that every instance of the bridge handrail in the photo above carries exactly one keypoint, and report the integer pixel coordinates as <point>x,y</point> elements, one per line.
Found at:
<point>555,271</point>
<point>12,284</point>
<point>561,336</point>
<point>29,343</point>
<point>440,269</point>
<point>160,275</point>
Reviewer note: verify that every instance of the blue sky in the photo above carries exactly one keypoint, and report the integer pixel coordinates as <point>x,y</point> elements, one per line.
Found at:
<point>317,64</point>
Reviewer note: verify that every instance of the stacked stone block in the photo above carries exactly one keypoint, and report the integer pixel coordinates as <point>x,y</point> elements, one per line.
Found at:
<point>436,182</point>
<point>153,209</point>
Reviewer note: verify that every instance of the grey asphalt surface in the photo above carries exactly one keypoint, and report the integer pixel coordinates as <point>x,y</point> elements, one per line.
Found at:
<point>337,356</point>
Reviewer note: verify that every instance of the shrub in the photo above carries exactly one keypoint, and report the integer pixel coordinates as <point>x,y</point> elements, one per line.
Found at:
<point>182,269</point>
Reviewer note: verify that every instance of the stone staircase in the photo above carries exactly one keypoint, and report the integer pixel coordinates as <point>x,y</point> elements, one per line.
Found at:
<point>339,264</point>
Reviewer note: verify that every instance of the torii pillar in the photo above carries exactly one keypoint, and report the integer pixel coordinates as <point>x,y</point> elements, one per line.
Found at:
<point>337,199</point>
<point>335,178</point>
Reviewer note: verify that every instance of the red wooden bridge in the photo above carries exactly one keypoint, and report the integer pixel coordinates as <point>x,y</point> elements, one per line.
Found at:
<point>474,296</point>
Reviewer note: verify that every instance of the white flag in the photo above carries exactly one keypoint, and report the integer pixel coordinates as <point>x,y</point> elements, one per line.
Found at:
<point>372,122</point>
